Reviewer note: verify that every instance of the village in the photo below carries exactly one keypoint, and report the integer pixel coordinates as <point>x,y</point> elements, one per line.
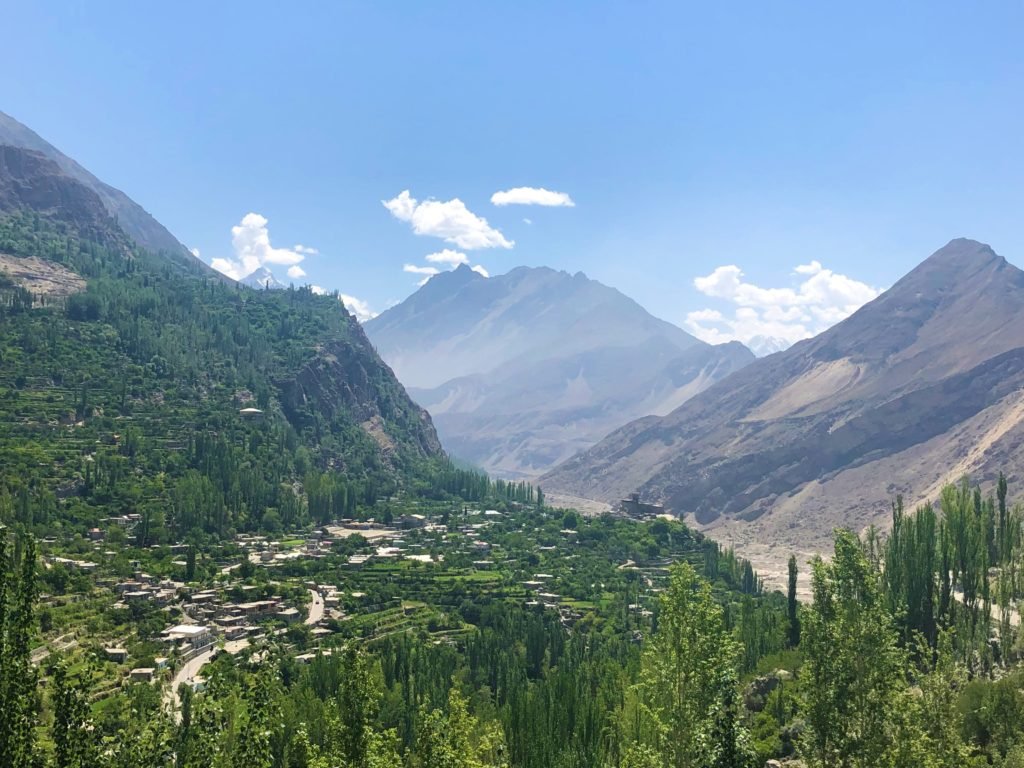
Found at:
<point>311,591</point>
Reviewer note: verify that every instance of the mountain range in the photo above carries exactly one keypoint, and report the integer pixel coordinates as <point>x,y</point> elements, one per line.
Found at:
<point>535,373</point>
<point>919,387</point>
<point>522,370</point>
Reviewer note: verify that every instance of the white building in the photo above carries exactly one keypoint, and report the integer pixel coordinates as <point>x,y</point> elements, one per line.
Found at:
<point>192,635</point>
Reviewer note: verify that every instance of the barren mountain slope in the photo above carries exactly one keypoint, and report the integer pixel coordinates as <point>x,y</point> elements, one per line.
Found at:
<point>919,386</point>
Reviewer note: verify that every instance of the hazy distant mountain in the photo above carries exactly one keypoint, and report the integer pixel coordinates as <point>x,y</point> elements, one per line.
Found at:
<point>520,371</point>
<point>762,346</point>
<point>136,222</point>
<point>920,386</point>
<point>263,278</point>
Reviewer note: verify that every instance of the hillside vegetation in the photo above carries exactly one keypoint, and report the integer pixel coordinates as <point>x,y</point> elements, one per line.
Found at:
<point>125,398</point>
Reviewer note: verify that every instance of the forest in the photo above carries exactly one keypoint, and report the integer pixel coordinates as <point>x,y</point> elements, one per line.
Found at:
<point>905,656</point>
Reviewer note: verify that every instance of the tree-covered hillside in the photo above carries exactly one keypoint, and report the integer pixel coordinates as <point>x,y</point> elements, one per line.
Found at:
<point>126,398</point>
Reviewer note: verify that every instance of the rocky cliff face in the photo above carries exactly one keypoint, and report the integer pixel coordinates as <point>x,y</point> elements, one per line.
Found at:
<point>31,181</point>
<point>919,387</point>
<point>347,380</point>
<point>129,215</point>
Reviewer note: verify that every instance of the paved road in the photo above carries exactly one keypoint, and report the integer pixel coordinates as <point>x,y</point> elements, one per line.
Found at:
<point>189,671</point>
<point>316,608</point>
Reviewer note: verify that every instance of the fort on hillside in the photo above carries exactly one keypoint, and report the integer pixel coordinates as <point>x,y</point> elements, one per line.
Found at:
<point>636,508</point>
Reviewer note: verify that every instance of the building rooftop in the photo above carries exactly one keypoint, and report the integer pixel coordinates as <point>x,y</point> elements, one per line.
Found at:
<point>188,630</point>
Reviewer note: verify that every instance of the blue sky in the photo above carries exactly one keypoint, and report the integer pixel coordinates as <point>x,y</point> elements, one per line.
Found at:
<point>691,138</point>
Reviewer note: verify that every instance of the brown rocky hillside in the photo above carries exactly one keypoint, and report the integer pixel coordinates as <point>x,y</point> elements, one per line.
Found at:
<point>920,386</point>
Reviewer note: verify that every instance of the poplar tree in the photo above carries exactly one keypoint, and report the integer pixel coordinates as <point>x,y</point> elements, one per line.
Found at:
<point>17,675</point>
<point>792,606</point>
<point>727,744</point>
<point>73,737</point>
<point>855,669</point>
<point>262,717</point>
<point>680,682</point>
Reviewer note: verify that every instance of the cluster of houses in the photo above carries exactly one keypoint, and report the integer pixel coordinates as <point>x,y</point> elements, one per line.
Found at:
<point>230,619</point>
<point>261,550</point>
<point>143,588</point>
<point>139,674</point>
<point>389,541</point>
<point>542,597</point>
<point>72,564</point>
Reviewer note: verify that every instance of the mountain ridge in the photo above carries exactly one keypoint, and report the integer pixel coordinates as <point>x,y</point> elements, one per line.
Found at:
<point>138,223</point>
<point>143,346</point>
<point>773,442</point>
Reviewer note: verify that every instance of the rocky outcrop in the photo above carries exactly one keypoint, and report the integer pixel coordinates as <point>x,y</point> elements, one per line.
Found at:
<point>29,180</point>
<point>129,215</point>
<point>346,381</point>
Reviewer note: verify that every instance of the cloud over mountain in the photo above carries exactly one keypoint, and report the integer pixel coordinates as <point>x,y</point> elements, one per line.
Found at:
<point>820,300</point>
<point>358,307</point>
<point>449,257</point>
<point>448,220</point>
<point>250,240</point>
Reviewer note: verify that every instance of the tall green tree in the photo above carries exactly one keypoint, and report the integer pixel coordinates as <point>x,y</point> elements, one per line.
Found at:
<point>17,675</point>
<point>854,675</point>
<point>726,743</point>
<point>792,606</point>
<point>680,680</point>
<point>457,739</point>
<point>262,718</point>
<point>74,739</point>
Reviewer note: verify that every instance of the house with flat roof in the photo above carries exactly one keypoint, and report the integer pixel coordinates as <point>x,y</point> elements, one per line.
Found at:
<point>192,635</point>
<point>118,655</point>
<point>289,615</point>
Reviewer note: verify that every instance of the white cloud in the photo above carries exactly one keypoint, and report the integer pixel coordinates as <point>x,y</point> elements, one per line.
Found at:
<point>450,220</point>
<point>809,269</point>
<point>318,290</point>
<point>821,299</point>
<point>528,221</point>
<point>299,248</point>
<point>295,272</point>
<point>250,240</point>
<point>448,256</point>
<point>532,196</point>
<point>195,252</point>
<point>357,307</point>
<point>429,271</point>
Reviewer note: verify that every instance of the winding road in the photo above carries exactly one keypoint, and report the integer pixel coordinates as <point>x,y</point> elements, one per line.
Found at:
<point>316,608</point>
<point>190,669</point>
